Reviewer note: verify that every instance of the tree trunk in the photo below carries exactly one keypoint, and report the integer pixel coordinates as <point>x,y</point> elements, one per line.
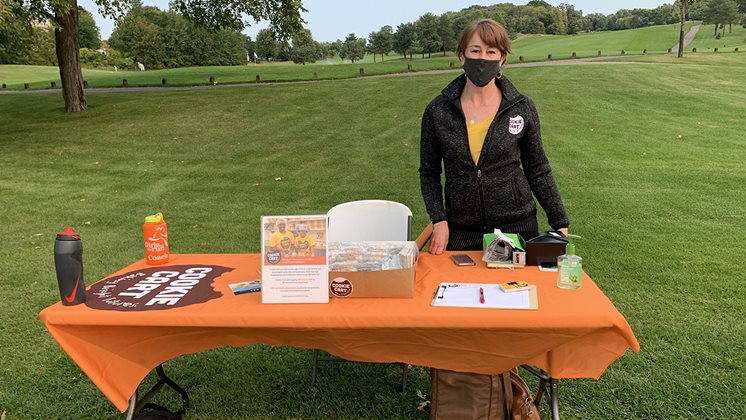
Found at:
<point>67,46</point>
<point>684,6</point>
<point>716,29</point>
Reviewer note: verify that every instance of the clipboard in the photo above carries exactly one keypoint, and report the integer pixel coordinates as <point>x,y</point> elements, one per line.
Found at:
<point>467,295</point>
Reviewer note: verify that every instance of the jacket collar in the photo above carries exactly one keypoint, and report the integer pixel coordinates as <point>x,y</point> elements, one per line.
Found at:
<point>452,92</point>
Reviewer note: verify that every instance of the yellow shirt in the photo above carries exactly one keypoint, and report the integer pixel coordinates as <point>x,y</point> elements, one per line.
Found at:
<point>282,241</point>
<point>304,245</point>
<point>477,133</point>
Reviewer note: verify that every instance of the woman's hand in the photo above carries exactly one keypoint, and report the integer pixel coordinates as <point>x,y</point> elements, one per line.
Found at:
<point>566,231</point>
<point>439,240</point>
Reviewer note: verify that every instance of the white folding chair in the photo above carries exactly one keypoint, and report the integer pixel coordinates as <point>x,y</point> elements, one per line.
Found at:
<point>367,220</point>
<point>370,220</point>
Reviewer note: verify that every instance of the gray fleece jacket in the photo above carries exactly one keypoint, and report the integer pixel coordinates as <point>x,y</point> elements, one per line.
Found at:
<point>496,192</point>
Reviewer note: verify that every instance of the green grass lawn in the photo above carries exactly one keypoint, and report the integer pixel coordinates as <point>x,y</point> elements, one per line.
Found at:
<point>39,77</point>
<point>649,159</point>
<point>632,41</point>
<point>706,41</point>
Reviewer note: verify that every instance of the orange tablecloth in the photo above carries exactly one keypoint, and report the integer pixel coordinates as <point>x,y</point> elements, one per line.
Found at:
<point>574,334</point>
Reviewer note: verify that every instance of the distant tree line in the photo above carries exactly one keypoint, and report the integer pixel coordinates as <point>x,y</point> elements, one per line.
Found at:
<point>164,39</point>
<point>161,39</point>
<point>432,34</point>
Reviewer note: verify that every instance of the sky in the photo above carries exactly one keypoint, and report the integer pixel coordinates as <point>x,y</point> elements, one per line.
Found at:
<point>330,20</point>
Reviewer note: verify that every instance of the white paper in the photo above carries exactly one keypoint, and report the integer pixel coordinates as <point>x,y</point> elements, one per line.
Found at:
<point>466,295</point>
<point>294,263</point>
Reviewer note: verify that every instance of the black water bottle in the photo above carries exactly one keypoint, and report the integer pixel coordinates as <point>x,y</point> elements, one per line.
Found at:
<point>68,260</point>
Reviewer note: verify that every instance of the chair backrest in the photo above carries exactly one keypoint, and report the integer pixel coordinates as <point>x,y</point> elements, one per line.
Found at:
<point>370,220</point>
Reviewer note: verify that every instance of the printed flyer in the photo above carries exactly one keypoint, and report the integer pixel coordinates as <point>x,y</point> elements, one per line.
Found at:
<point>294,267</point>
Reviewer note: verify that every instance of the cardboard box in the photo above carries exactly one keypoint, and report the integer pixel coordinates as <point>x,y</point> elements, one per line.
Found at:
<point>519,253</point>
<point>544,249</point>
<point>372,284</point>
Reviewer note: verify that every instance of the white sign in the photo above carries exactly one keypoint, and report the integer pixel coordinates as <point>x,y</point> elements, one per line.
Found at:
<point>294,263</point>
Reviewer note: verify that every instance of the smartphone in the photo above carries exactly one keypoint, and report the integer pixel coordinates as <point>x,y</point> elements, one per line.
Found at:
<point>462,259</point>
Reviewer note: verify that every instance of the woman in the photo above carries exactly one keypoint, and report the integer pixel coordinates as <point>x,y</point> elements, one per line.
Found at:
<point>487,137</point>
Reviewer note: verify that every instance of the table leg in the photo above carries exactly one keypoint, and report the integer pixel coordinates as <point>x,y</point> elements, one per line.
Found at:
<point>546,381</point>
<point>554,396</point>
<point>317,359</point>
<point>136,404</point>
<point>131,407</point>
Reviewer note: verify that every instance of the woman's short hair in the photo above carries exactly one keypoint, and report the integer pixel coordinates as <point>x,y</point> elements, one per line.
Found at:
<point>492,33</point>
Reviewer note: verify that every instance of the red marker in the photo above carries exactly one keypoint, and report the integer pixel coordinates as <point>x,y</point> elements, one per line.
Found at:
<point>481,295</point>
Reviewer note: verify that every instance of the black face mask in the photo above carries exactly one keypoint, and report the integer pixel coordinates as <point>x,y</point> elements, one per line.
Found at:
<point>481,71</point>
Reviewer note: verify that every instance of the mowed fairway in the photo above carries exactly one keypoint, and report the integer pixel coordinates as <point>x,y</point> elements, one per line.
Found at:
<point>40,77</point>
<point>633,41</point>
<point>649,158</point>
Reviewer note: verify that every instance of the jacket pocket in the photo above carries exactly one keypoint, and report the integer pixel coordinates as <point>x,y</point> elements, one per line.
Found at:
<point>516,193</point>
<point>463,205</point>
<point>521,190</point>
<point>499,196</point>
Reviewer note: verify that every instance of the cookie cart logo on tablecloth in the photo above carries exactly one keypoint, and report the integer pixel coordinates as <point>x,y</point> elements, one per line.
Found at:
<point>156,288</point>
<point>516,125</point>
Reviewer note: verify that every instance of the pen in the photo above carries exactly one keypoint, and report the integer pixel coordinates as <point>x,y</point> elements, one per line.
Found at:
<point>481,295</point>
<point>441,291</point>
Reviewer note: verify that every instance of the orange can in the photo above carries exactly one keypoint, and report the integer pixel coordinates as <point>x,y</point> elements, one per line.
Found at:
<point>155,232</point>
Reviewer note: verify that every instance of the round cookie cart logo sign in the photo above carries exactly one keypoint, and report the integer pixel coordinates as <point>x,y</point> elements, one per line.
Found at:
<point>274,257</point>
<point>340,287</point>
<point>156,288</point>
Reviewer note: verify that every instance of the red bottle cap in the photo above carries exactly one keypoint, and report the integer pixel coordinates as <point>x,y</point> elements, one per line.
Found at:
<point>69,232</point>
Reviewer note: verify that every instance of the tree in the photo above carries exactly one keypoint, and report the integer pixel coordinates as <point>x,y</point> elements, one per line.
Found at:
<point>304,48</point>
<point>334,48</point>
<point>283,15</point>
<point>683,6</point>
<point>157,39</point>
<point>721,12</point>
<point>403,38</point>
<point>731,14</point>
<point>353,48</point>
<point>427,29</point>
<point>445,32</point>
<point>15,34</point>
<point>575,21</point>
<point>381,42</point>
<point>530,25</point>
<point>161,39</point>
<point>250,49</point>
<point>90,36</point>
<point>266,45</point>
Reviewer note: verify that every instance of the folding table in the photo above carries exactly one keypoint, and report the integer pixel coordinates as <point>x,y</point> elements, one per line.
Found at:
<point>573,334</point>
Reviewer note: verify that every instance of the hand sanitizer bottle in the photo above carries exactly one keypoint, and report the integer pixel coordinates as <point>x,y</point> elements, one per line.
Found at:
<point>570,267</point>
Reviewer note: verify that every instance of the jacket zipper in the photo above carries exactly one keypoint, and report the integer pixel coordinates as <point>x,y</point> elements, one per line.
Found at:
<point>482,210</point>
<point>481,199</point>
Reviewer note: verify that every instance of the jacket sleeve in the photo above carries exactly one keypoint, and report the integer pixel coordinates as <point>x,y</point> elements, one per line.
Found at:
<point>539,173</point>
<point>431,157</point>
